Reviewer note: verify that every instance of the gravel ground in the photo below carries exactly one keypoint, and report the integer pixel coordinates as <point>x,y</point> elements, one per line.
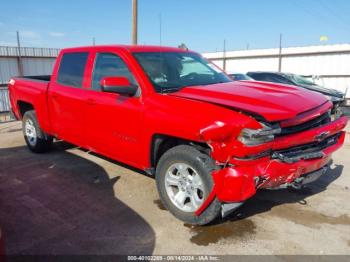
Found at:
<point>69,201</point>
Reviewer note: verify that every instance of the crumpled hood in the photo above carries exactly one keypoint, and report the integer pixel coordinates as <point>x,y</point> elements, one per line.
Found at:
<point>274,102</point>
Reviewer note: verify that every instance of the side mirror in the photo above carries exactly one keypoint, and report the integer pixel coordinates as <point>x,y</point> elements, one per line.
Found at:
<point>120,85</point>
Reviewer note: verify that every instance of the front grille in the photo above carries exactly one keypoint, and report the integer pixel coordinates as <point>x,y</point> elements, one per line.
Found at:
<point>308,151</point>
<point>316,122</point>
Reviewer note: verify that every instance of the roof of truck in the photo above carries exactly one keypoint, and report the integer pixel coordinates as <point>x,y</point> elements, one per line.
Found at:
<point>131,48</point>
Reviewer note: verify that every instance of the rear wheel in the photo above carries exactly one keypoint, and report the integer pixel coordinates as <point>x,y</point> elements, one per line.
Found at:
<point>37,141</point>
<point>184,181</point>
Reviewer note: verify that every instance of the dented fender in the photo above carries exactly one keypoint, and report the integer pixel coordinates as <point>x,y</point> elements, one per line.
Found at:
<point>221,137</point>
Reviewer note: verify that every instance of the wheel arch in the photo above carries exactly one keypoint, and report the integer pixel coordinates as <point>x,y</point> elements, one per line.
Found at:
<point>23,107</point>
<point>161,143</point>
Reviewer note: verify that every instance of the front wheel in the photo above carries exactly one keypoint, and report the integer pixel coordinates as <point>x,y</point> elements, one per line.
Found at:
<point>37,141</point>
<point>184,181</point>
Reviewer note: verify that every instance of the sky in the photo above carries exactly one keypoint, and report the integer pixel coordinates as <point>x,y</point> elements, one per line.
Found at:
<point>201,24</point>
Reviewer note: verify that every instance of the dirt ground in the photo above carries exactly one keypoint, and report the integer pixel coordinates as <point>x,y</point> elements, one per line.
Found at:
<point>69,201</point>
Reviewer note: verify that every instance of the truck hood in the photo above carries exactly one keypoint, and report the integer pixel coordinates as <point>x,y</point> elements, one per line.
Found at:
<point>273,102</point>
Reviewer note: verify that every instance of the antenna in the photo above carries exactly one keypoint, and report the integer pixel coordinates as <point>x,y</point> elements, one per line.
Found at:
<point>160,44</point>
<point>160,29</point>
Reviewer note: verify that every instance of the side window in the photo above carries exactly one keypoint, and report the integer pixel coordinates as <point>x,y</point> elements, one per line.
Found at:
<point>107,64</point>
<point>266,78</point>
<point>72,67</point>
<point>257,77</point>
<point>278,79</point>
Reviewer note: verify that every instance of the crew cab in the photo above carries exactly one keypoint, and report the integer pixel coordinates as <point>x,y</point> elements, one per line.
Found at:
<point>210,142</point>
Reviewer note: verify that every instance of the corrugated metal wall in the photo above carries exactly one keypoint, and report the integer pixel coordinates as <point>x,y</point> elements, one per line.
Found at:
<point>332,62</point>
<point>252,64</point>
<point>28,51</point>
<point>8,68</point>
<point>38,66</point>
<point>335,64</point>
<point>35,61</point>
<point>4,100</point>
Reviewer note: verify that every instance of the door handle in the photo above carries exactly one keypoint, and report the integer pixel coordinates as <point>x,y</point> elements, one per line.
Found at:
<point>91,101</point>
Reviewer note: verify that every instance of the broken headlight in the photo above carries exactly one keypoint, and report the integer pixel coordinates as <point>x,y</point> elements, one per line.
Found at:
<point>253,137</point>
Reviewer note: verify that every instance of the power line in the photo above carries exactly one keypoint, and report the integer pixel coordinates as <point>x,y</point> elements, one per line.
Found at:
<point>330,10</point>
<point>319,15</point>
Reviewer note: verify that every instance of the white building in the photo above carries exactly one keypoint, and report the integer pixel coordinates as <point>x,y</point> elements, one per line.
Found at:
<point>330,62</point>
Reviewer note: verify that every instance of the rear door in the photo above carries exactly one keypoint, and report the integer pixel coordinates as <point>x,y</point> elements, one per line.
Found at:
<point>67,98</point>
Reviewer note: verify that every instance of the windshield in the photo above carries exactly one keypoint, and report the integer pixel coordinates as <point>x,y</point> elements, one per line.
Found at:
<point>240,77</point>
<point>299,80</point>
<point>171,71</point>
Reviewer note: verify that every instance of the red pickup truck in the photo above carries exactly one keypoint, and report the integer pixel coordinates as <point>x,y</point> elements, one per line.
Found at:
<point>210,142</point>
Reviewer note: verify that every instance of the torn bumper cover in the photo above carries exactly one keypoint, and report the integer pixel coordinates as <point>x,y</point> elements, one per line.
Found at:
<point>301,164</point>
<point>307,179</point>
<point>238,183</point>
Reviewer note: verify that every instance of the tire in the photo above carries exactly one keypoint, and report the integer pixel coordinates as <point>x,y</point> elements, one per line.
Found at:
<point>36,140</point>
<point>175,162</point>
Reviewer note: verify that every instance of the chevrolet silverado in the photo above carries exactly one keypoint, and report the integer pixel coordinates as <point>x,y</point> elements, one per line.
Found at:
<point>210,142</point>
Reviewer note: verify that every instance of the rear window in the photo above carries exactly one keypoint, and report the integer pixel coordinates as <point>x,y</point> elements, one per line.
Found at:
<point>72,67</point>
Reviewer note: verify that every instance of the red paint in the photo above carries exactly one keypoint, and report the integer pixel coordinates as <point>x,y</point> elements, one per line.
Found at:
<point>114,81</point>
<point>306,116</point>
<point>122,127</point>
<point>207,202</point>
<point>271,101</point>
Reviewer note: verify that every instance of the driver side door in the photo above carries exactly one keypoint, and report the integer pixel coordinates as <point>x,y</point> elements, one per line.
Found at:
<point>114,121</point>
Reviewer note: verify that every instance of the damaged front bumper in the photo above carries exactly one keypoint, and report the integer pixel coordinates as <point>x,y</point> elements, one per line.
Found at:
<point>295,166</point>
<point>239,182</point>
<point>307,178</point>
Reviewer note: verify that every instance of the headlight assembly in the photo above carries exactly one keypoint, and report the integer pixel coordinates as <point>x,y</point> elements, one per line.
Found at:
<point>253,137</point>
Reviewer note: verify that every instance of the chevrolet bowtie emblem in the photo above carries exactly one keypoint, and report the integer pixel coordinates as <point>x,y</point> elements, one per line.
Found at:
<point>321,136</point>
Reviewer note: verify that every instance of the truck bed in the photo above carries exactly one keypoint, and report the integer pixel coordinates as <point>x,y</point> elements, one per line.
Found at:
<point>45,78</point>
<point>30,90</point>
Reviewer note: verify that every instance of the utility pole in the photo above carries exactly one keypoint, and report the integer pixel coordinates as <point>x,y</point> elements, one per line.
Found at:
<point>224,56</point>
<point>93,41</point>
<point>280,55</point>
<point>19,58</point>
<point>134,22</point>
